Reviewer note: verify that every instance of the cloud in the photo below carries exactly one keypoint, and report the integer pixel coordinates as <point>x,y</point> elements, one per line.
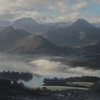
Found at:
<point>48,67</point>
<point>68,17</point>
<point>42,66</point>
<point>96,1</point>
<point>42,10</point>
<point>92,18</point>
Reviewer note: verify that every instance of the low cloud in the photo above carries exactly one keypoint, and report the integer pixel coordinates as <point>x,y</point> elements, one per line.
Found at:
<point>47,67</point>
<point>43,66</point>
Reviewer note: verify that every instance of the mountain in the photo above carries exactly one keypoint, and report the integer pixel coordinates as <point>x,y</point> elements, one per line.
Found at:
<point>29,25</point>
<point>8,36</point>
<point>92,48</point>
<point>35,44</point>
<point>97,25</point>
<point>89,57</point>
<point>92,51</point>
<point>80,33</point>
<point>4,23</point>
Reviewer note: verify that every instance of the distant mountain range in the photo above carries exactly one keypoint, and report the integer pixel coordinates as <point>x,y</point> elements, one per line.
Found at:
<point>5,23</point>
<point>19,41</point>
<point>30,25</point>
<point>80,33</point>
<point>35,44</point>
<point>27,36</point>
<point>9,35</point>
<point>97,25</point>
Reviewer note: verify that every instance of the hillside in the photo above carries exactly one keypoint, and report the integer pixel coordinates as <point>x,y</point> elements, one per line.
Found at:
<point>80,33</point>
<point>35,44</point>
<point>9,35</point>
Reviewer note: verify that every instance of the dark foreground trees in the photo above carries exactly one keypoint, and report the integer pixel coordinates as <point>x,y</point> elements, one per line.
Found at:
<point>10,90</point>
<point>63,81</point>
<point>16,76</point>
<point>96,87</point>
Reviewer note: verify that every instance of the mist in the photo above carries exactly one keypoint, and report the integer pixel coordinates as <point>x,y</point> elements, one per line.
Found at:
<point>43,66</point>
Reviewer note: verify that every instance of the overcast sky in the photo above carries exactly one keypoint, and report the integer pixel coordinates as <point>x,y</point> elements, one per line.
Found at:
<point>50,10</point>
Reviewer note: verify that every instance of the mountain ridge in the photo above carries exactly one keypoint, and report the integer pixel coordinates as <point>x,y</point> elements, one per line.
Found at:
<point>79,33</point>
<point>35,44</point>
<point>9,35</point>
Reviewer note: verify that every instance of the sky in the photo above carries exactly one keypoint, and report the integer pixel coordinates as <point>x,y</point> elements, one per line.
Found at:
<point>45,11</point>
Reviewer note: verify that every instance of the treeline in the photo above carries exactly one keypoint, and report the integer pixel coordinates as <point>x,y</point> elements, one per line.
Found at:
<point>96,87</point>
<point>14,88</point>
<point>63,81</point>
<point>17,90</point>
<point>16,76</point>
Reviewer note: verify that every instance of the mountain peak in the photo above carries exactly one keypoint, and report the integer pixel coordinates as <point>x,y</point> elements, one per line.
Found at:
<point>82,23</point>
<point>26,20</point>
<point>34,44</point>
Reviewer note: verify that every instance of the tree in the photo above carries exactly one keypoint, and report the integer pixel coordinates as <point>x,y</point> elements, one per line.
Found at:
<point>16,76</point>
